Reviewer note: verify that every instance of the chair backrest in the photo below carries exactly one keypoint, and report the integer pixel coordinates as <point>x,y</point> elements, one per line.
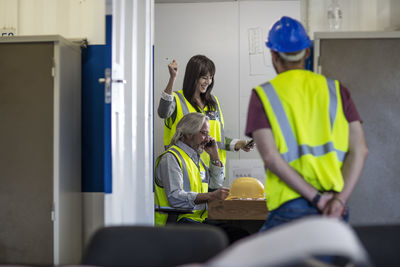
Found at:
<point>295,244</point>
<point>173,213</point>
<point>171,245</point>
<point>381,243</point>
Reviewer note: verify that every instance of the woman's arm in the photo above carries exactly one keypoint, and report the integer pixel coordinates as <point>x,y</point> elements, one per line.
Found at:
<point>167,105</point>
<point>237,144</point>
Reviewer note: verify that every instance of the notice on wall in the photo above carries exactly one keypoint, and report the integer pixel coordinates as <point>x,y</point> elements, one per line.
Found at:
<point>259,60</point>
<point>256,18</point>
<point>246,168</point>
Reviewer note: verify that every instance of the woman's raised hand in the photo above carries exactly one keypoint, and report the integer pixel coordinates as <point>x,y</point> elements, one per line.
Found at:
<point>173,68</point>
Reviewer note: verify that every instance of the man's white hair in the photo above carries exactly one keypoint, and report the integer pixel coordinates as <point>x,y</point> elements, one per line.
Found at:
<point>189,124</point>
<point>292,57</point>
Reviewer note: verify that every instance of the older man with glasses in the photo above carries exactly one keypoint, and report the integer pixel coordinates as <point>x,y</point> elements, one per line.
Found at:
<point>183,181</point>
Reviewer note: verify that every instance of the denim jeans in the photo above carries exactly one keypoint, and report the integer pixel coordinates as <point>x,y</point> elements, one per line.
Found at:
<point>291,210</point>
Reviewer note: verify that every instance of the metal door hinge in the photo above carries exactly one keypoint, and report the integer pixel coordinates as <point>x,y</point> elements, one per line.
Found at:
<point>53,69</point>
<point>53,212</point>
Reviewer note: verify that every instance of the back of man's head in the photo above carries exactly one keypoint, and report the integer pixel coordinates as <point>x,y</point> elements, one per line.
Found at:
<point>288,35</point>
<point>289,39</point>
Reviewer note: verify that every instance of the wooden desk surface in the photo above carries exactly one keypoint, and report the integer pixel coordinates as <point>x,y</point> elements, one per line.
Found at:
<point>237,210</point>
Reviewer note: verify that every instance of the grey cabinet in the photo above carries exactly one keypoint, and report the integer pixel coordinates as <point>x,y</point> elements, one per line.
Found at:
<point>40,151</point>
<point>368,64</point>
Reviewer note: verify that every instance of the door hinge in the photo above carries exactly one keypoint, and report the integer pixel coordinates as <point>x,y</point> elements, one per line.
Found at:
<point>53,212</point>
<point>53,69</point>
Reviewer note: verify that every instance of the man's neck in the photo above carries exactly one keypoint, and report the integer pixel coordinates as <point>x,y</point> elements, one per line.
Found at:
<point>189,150</point>
<point>189,145</point>
<point>282,68</point>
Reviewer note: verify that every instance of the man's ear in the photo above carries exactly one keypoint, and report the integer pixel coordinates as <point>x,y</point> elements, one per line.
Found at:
<point>308,53</point>
<point>275,57</point>
<point>187,136</point>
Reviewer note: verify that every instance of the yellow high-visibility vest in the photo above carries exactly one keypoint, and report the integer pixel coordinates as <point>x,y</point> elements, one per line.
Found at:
<point>216,122</point>
<point>310,130</point>
<point>195,179</point>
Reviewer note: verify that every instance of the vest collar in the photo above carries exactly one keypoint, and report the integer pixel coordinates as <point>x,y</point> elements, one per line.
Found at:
<point>189,151</point>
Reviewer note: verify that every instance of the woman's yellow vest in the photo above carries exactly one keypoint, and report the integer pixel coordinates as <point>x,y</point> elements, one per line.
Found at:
<point>216,122</point>
<point>195,179</point>
<point>310,130</point>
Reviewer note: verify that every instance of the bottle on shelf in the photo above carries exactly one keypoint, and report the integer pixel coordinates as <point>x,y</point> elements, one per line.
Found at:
<point>334,16</point>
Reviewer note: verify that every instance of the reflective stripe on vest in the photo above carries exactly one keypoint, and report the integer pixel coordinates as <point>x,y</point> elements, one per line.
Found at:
<point>185,110</point>
<point>186,180</point>
<point>332,100</point>
<point>295,150</point>
<point>207,174</point>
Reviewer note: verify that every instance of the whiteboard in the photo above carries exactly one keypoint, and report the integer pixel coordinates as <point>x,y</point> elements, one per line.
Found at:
<point>255,64</point>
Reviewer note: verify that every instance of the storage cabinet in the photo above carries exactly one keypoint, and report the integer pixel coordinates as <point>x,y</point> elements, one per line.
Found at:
<point>368,64</point>
<point>40,151</point>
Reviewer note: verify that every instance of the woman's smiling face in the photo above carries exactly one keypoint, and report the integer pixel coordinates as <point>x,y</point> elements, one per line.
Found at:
<point>203,82</point>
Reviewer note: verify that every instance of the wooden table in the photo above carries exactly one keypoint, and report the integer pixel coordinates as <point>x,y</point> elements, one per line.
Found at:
<point>237,210</point>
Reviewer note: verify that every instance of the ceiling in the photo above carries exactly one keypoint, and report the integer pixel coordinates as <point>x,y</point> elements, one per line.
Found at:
<point>190,1</point>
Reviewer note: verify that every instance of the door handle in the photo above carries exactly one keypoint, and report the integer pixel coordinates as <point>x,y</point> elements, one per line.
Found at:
<point>104,80</point>
<point>107,84</point>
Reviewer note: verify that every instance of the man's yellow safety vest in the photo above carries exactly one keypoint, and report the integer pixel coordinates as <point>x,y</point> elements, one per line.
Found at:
<point>195,179</point>
<point>216,122</point>
<point>310,130</point>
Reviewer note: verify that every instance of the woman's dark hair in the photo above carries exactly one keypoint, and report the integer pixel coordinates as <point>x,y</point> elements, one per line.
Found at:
<point>198,66</point>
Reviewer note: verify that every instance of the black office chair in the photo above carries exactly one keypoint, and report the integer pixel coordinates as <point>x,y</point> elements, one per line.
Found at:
<point>297,244</point>
<point>171,245</point>
<point>381,242</point>
<point>173,213</point>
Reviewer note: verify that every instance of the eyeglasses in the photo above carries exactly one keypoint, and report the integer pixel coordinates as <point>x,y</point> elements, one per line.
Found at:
<point>204,133</point>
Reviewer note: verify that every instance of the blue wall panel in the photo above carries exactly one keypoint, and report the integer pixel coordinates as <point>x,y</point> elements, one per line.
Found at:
<point>96,118</point>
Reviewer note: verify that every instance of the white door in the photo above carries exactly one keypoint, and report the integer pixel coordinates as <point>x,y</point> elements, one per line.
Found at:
<point>131,200</point>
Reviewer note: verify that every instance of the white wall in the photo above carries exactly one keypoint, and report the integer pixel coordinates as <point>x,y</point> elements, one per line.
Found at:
<point>219,30</point>
<point>184,30</point>
<point>358,15</point>
<point>69,18</point>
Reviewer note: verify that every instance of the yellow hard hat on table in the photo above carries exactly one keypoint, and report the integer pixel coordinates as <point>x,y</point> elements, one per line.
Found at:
<point>246,188</point>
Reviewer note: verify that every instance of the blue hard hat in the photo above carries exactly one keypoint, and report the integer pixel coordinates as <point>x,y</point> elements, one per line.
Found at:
<point>287,35</point>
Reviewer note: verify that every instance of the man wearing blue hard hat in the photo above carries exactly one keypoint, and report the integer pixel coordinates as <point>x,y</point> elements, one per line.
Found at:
<point>308,133</point>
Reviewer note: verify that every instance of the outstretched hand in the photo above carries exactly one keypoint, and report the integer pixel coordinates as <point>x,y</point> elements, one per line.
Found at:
<point>244,145</point>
